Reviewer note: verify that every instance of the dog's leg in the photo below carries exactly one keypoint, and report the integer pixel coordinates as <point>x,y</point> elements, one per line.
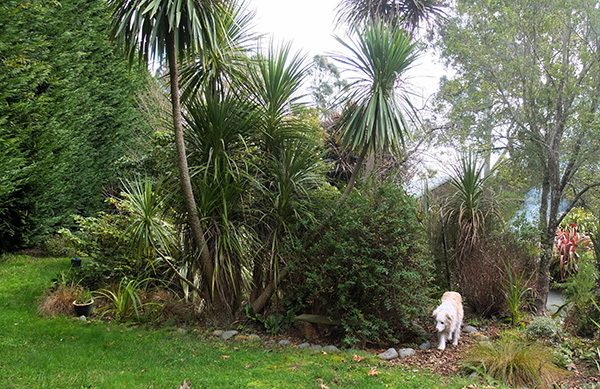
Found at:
<point>442,341</point>
<point>456,335</point>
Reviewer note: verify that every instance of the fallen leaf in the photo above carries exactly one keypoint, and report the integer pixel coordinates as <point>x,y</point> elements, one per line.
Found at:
<point>248,366</point>
<point>236,349</point>
<point>323,386</point>
<point>357,358</point>
<point>373,372</point>
<point>224,356</point>
<point>122,371</point>
<point>324,352</point>
<point>107,329</point>
<point>109,344</point>
<point>185,385</point>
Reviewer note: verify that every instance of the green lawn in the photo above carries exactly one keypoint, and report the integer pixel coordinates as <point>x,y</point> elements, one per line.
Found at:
<point>64,352</point>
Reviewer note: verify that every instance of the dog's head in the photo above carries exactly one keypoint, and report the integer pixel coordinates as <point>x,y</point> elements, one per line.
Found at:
<point>443,320</point>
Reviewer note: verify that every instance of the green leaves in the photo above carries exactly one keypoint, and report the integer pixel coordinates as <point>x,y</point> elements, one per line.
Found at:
<point>373,118</point>
<point>141,26</point>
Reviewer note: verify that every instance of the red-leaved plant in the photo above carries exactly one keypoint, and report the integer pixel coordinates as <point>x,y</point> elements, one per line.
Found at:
<point>567,241</point>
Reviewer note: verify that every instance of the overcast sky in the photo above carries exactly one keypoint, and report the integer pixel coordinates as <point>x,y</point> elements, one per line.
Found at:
<point>310,25</point>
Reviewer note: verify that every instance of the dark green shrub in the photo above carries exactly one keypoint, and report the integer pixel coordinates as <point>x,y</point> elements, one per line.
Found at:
<point>103,239</point>
<point>371,268</point>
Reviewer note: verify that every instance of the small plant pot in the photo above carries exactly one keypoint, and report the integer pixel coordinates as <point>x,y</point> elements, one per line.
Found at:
<point>83,309</point>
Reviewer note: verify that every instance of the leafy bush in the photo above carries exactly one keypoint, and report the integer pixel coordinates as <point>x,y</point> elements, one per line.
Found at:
<point>105,240</point>
<point>516,362</point>
<point>580,293</point>
<point>371,269</point>
<point>542,328</point>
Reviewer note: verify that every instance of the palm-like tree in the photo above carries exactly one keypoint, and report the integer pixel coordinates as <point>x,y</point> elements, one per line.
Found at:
<point>157,29</point>
<point>373,120</point>
<point>406,14</point>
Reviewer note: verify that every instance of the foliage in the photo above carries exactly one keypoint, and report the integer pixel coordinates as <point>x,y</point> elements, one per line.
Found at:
<point>125,302</point>
<point>148,228</point>
<point>371,269</point>
<point>568,244</point>
<point>84,296</point>
<point>403,14</point>
<point>67,113</point>
<point>515,289</point>
<point>326,84</point>
<point>543,328</point>
<point>579,292</point>
<point>373,119</point>
<point>515,362</point>
<point>104,239</point>
<point>518,65</point>
<point>469,206</point>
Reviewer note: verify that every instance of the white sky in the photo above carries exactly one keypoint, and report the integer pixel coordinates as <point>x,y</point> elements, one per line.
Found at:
<point>309,24</point>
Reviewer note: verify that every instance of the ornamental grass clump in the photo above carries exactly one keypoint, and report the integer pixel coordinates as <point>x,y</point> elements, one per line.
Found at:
<point>516,362</point>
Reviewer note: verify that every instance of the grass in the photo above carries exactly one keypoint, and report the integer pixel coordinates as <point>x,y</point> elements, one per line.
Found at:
<point>516,362</point>
<point>64,352</point>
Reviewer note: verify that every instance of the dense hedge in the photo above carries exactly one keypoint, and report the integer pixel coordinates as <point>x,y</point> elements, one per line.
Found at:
<point>371,268</point>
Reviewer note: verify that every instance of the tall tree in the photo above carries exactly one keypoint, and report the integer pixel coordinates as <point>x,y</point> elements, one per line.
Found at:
<point>533,69</point>
<point>167,29</point>
<point>373,120</point>
<point>67,113</point>
<point>405,14</point>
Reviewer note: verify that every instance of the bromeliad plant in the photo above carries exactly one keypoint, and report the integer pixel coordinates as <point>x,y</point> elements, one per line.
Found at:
<point>567,242</point>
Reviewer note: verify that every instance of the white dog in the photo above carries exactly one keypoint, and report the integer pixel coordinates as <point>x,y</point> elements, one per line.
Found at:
<point>449,317</point>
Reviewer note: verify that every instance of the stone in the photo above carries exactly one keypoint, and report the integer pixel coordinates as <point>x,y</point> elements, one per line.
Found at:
<point>405,353</point>
<point>253,337</point>
<point>425,346</point>
<point>389,354</point>
<point>228,334</point>
<point>316,347</point>
<point>480,337</point>
<point>218,332</point>
<point>182,331</point>
<point>284,342</point>
<point>304,345</point>
<point>469,329</point>
<point>82,318</point>
<point>331,349</point>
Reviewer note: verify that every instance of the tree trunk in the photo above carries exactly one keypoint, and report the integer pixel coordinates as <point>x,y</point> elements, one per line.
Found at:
<point>184,175</point>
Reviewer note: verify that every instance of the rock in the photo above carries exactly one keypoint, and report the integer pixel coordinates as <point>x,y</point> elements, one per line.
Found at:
<point>182,331</point>
<point>228,334</point>
<point>469,329</point>
<point>284,342</point>
<point>389,354</point>
<point>480,337</point>
<point>418,328</point>
<point>425,346</point>
<point>405,353</point>
<point>253,337</point>
<point>218,332</point>
<point>473,376</point>
<point>82,318</point>
<point>316,347</point>
<point>304,345</point>
<point>331,349</point>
